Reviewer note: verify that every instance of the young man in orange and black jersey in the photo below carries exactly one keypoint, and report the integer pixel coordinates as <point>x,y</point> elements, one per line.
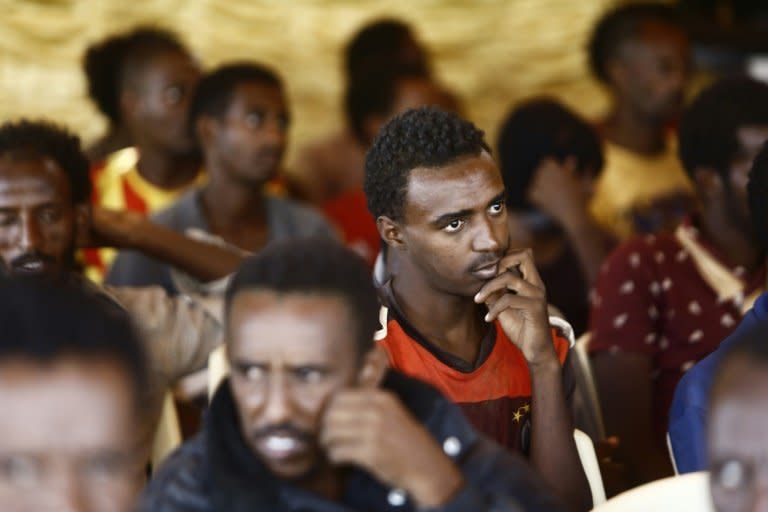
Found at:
<point>466,312</point>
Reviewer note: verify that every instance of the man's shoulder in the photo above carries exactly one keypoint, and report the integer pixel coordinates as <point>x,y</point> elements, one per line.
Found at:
<point>180,482</point>
<point>181,214</point>
<point>291,218</point>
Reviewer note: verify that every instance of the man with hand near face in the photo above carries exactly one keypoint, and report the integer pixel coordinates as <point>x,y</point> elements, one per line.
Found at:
<point>310,419</point>
<point>468,313</point>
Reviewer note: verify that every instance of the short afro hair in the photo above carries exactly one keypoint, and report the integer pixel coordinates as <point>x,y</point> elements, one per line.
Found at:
<point>313,266</point>
<point>623,24</point>
<point>31,140</point>
<point>214,92</point>
<point>543,128</point>
<point>109,63</point>
<point>378,45</point>
<point>45,321</point>
<point>422,137</point>
<point>757,189</point>
<point>708,135</point>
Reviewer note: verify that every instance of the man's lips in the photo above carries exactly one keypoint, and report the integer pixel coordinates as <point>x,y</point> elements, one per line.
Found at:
<point>31,265</point>
<point>487,270</point>
<point>281,446</point>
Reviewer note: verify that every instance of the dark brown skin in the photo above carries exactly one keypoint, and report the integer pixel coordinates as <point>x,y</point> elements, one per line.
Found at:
<point>154,107</point>
<point>297,374</point>
<point>454,224</point>
<point>243,150</point>
<point>646,80</point>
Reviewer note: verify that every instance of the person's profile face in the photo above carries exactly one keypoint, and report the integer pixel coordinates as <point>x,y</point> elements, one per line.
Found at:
<point>37,217</point>
<point>656,68</point>
<point>455,225</point>
<point>737,451</point>
<point>751,139</point>
<point>67,437</point>
<point>251,138</point>
<point>289,354</point>
<point>164,91</point>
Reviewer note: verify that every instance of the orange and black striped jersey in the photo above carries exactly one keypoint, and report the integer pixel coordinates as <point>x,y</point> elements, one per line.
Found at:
<point>494,392</point>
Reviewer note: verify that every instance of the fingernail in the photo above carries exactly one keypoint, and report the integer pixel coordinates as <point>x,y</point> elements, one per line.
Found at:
<point>488,317</point>
<point>477,298</point>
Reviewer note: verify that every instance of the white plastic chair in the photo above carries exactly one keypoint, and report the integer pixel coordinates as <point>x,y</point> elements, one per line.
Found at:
<point>672,454</point>
<point>591,467</point>
<point>587,411</point>
<point>689,492</point>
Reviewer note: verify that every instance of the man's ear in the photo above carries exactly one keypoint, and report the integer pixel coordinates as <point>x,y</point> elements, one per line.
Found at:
<point>82,224</point>
<point>390,232</point>
<point>375,366</point>
<point>708,183</point>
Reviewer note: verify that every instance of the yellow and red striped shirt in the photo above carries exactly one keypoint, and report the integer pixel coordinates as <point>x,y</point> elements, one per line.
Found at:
<point>118,185</point>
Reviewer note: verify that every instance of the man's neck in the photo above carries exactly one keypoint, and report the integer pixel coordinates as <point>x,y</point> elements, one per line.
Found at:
<point>634,131</point>
<point>328,482</point>
<point>235,212</point>
<point>451,322</point>
<point>166,171</point>
<point>733,241</point>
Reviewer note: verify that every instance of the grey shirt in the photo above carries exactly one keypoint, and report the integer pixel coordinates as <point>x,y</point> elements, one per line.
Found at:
<point>286,219</point>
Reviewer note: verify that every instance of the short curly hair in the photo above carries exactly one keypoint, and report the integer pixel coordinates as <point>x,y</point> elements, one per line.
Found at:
<point>757,189</point>
<point>623,24</point>
<point>25,140</point>
<point>423,137</point>
<point>708,135</point>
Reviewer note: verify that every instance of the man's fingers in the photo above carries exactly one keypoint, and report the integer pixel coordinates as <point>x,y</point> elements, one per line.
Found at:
<point>523,259</point>
<point>505,283</point>
<point>509,302</point>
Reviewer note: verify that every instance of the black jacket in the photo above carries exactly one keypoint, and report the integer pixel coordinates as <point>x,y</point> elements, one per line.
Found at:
<point>217,472</point>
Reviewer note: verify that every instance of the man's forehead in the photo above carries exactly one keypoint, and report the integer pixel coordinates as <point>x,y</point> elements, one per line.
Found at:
<point>466,182</point>
<point>34,175</point>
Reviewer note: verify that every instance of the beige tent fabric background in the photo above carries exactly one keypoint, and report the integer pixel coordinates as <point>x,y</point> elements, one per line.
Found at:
<point>491,52</point>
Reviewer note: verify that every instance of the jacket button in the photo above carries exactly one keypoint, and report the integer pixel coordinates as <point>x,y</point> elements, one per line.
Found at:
<point>452,446</point>
<point>396,498</point>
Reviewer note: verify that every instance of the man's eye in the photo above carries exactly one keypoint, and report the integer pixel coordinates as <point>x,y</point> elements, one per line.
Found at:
<point>173,94</point>
<point>108,464</point>
<point>253,373</point>
<point>254,119</point>
<point>19,469</point>
<point>309,375</point>
<point>733,474</point>
<point>284,122</point>
<point>496,208</point>
<point>454,226</point>
<point>8,219</point>
<point>49,215</point>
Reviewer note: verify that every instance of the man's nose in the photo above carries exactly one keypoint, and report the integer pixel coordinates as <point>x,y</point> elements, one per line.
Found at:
<point>30,237</point>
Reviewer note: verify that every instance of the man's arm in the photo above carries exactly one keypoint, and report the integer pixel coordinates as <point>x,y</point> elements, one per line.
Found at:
<point>557,191</point>
<point>130,230</point>
<point>626,337</point>
<point>625,388</point>
<point>371,429</point>
<point>518,300</point>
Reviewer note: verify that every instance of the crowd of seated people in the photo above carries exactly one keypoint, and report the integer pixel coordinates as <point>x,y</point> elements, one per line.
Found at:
<point>410,319</point>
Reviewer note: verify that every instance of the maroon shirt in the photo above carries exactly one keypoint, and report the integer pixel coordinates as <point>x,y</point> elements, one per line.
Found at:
<point>651,298</point>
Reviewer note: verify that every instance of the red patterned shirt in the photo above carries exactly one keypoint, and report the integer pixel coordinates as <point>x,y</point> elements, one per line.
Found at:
<point>672,297</point>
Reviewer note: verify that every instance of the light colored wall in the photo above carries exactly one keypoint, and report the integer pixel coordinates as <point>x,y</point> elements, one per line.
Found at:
<point>491,52</point>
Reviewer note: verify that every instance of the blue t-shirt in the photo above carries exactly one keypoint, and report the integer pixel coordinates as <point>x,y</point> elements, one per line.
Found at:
<point>688,414</point>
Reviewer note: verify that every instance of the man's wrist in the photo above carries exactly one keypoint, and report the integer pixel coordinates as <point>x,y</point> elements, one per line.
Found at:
<point>435,488</point>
